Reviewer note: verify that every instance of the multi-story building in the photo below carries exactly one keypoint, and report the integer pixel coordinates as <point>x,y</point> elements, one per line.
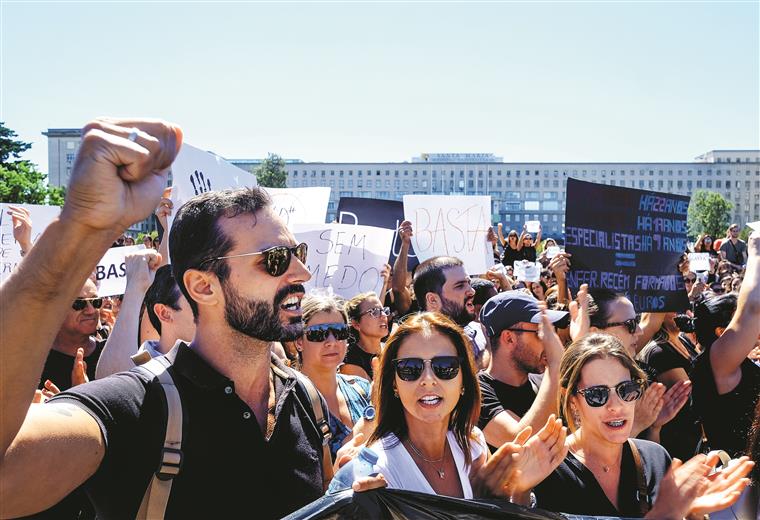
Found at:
<point>535,191</point>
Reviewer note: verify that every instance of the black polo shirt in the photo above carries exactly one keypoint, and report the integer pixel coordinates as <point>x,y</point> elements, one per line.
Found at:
<point>230,469</point>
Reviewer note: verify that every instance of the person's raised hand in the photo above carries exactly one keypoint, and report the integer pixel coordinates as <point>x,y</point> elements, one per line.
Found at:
<point>492,476</point>
<point>165,208</point>
<point>405,231</point>
<point>673,401</point>
<point>491,236</point>
<point>560,265</point>
<point>541,455</point>
<point>580,321</point>
<point>724,486</point>
<point>120,172</point>
<point>22,227</point>
<point>648,408</point>
<point>753,244</point>
<point>141,268</point>
<point>385,273</point>
<point>678,488</point>
<point>698,288</point>
<point>553,348</point>
<point>79,371</point>
<point>349,450</point>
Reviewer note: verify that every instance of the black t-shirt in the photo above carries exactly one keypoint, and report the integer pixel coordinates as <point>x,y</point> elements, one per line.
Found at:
<point>510,255</point>
<point>230,470</point>
<point>734,252</point>
<point>726,418</point>
<point>58,366</point>
<point>355,355</point>
<point>681,435</point>
<point>497,397</point>
<point>528,253</point>
<point>573,488</point>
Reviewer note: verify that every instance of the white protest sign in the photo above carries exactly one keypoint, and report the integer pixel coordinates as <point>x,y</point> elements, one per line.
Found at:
<point>699,262</point>
<point>526,271</point>
<point>532,226</point>
<point>451,225</point>
<point>346,257</point>
<point>552,251</point>
<point>10,251</point>
<point>300,205</point>
<point>195,171</point>
<point>111,271</point>
<point>755,226</point>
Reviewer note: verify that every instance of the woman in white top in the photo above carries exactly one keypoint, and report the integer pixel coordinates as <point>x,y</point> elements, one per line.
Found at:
<point>428,399</point>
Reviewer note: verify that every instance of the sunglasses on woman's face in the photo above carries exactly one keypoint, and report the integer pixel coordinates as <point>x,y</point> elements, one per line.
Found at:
<point>321,332</point>
<point>276,259</point>
<point>628,391</point>
<point>630,324</point>
<point>377,311</point>
<point>80,303</point>
<point>410,369</point>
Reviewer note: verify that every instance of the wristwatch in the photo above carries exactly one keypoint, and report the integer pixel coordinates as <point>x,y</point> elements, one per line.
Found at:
<point>369,413</point>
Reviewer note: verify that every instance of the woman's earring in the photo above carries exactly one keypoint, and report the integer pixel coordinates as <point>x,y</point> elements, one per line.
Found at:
<point>395,393</point>
<point>462,392</point>
<point>576,416</point>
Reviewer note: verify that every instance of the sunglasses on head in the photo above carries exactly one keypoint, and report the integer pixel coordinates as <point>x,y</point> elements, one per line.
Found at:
<point>377,311</point>
<point>628,391</point>
<point>81,303</point>
<point>630,324</point>
<point>410,369</point>
<point>321,332</point>
<point>276,259</point>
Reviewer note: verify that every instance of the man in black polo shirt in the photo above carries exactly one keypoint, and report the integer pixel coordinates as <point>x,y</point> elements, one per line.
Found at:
<point>509,402</point>
<point>250,444</point>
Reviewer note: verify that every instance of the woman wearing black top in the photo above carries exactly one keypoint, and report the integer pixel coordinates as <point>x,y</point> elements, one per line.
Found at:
<point>512,247</point>
<point>369,325</point>
<point>605,473</point>
<point>671,357</point>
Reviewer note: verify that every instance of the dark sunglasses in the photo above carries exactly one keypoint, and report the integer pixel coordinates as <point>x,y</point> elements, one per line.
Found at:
<point>630,325</point>
<point>689,280</point>
<point>410,369</point>
<point>317,333</point>
<point>377,311</point>
<point>276,259</point>
<point>81,303</point>
<point>628,391</point>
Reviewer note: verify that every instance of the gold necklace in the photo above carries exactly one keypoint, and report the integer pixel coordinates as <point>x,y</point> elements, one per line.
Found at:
<point>440,471</point>
<point>605,467</point>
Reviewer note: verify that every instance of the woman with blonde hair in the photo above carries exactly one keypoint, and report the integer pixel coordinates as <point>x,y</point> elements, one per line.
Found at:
<point>369,325</point>
<point>607,474</point>
<point>321,350</point>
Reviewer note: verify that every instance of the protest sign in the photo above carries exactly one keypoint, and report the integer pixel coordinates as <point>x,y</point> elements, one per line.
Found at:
<point>111,271</point>
<point>552,251</point>
<point>629,241</point>
<point>10,251</point>
<point>451,225</point>
<point>755,226</point>
<point>346,257</point>
<point>699,262</point>
<point>300,205</point>
<point>387,214</point>
<point>527,271</point>
<point>532,226</point>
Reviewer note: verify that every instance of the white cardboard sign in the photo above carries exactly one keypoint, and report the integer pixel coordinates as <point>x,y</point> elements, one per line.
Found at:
<point>699,262</point>
<point>533,226</point>
<point>552,251</point>
<point>527,271</point>
<point>10,251</point>
<point>346,257</point>
<point>111,271</point>
<point>300,205</point>
<point>451,225</point>
<point>755,226</point>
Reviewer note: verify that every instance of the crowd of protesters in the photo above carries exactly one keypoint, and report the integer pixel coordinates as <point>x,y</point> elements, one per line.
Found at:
<point>466,385</point>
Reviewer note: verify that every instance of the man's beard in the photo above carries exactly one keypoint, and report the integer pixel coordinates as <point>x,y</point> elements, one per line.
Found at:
<point>525,361</point>
<point>261,320</point>
<point>456,312</point>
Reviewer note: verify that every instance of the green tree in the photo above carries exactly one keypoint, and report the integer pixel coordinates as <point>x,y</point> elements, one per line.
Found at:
<point>709,213</point>
<point>271,173</point>
<point>20,180</point>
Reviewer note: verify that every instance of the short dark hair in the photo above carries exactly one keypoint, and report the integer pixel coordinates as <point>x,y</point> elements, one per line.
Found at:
<point>599,301</point>
<point>711,313</point>
<point>163,290</point>
<point>196,237</point>
<point>482,288</point>
<point>429,277</point>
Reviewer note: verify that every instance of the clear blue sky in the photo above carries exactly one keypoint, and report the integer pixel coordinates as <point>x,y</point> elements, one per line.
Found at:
<point>593,81</point>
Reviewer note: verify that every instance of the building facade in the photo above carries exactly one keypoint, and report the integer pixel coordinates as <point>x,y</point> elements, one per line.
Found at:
<point>536,191</point>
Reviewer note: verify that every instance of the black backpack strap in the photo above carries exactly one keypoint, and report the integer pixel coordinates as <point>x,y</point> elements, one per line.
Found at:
<point>159,489</point>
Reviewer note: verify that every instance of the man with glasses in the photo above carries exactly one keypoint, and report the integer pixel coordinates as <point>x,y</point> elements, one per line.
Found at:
<point>509,400</point>
<point>78,331</point>
<point>733,248</point>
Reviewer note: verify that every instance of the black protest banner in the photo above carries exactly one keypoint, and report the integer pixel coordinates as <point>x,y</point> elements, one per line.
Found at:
<point>629,241</point>
<point>387,214</point>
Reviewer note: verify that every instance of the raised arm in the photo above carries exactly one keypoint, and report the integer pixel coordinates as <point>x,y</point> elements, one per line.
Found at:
<point>401,295</point>
<point>123,340</point>
<point>163,212</point>
<point>538,236</point>
<point>117,180</point>
<point>501,235</point>
<point>736,342</point>
<point>522,237</point>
